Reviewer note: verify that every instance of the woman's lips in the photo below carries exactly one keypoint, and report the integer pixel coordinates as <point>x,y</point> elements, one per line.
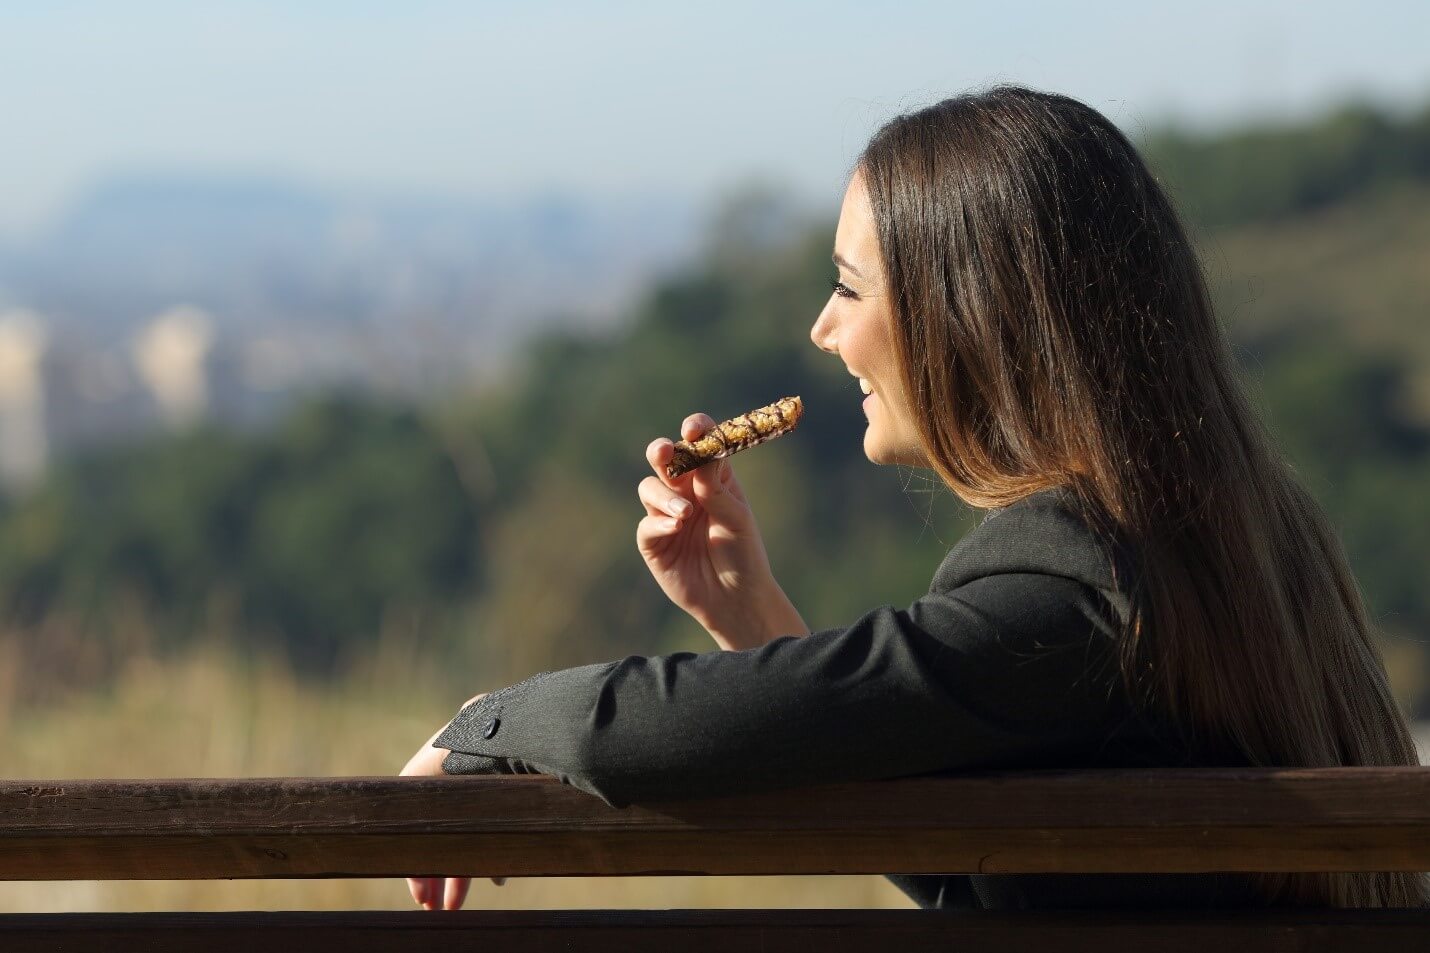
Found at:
<point>869,394</point>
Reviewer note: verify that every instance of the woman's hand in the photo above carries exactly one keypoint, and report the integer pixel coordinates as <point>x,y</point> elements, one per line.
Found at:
<point>708,556</point>
<point>432,893</point>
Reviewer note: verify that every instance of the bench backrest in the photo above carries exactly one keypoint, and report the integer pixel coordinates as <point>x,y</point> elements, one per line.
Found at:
<point>1157,820</point>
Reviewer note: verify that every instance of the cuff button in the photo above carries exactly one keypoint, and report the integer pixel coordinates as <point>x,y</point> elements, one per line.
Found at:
<point>490,728</point>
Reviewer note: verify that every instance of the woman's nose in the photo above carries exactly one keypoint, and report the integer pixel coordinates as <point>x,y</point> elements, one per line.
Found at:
<point>822,333</point>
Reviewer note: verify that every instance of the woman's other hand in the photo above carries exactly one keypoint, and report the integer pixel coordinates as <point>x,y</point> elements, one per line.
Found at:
<point>700,540</point>
<point>434,893</point>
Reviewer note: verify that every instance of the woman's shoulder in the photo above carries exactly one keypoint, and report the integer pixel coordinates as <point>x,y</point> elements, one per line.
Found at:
<point>1048,533</point>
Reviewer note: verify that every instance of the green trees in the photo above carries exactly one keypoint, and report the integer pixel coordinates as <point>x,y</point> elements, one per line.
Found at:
<point>507,519</point>
<point>1345,419</point>
<point>311,531</point>
<point>1274,172</point>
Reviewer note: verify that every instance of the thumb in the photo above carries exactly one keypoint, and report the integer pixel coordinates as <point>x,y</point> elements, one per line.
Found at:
<point>712,488</point>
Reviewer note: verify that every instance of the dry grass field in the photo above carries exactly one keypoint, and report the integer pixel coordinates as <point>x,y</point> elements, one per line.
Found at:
<point>212,714</point>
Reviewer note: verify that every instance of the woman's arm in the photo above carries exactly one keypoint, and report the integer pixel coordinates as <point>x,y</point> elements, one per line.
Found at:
<point>776,617</point>
<point>1006,667</point>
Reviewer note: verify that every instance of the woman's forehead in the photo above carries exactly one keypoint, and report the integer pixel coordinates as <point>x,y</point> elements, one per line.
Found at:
<point>855,239</point>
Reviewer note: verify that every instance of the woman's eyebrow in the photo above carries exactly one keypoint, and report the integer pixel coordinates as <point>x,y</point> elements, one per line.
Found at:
<point>838,259</point>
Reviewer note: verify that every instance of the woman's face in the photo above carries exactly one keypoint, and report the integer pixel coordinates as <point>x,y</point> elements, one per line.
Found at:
<point>857,326</point>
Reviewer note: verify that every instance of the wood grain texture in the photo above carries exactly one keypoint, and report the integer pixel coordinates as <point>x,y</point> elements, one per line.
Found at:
<point>719,931</point>
<point>1154,821</point>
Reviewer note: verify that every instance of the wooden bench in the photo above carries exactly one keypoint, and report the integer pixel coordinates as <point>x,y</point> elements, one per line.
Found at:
<point>1154,821</point>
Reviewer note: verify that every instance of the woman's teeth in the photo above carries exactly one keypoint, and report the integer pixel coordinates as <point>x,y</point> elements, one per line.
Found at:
<point>865,386</point>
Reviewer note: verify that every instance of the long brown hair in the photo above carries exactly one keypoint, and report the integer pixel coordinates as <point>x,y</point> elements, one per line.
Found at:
<point>1053,328</point>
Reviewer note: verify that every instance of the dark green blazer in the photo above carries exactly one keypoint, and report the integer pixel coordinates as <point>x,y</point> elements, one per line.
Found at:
<point>1008,661</point>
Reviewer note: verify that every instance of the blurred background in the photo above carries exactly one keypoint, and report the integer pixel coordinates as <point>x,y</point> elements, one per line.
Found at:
<point>311,316</point>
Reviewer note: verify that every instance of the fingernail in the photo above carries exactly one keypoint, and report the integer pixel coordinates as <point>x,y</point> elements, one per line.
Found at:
<point>680,508</point>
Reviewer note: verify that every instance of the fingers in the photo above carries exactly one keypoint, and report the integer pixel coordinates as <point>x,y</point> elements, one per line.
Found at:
<point>700,483</point>
<point>695,425</point>
<point>658,454</point>
<point>707,482</point>
<point>727,479</point>
<point>424,890</point>
<point>456,892</point>
<point>661,449</point>
<point>652,531</point>
<point>446,893</point>
<point>661,500</point>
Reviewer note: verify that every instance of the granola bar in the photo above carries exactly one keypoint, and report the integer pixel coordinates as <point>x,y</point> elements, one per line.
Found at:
<point>736,434</point>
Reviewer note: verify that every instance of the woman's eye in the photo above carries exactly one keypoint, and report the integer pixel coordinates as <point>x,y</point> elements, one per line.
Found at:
<point>841,289</point>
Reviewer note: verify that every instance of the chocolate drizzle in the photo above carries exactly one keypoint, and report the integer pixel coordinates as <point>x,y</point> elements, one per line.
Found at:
<point>736,434</point>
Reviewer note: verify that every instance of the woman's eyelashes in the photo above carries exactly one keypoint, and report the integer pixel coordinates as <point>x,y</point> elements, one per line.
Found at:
<point>841,289</point>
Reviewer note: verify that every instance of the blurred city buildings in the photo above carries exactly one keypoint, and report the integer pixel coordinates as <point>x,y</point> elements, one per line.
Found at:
<point>158,302</point>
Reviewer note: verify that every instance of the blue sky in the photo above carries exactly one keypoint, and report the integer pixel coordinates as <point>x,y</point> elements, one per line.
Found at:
<point>481,98</point>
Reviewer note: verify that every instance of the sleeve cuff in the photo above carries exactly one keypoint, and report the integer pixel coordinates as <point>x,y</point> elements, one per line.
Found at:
<point>478,728</point>
<point>458,762</point>
<point>472,730</point>
<point>540,725</point>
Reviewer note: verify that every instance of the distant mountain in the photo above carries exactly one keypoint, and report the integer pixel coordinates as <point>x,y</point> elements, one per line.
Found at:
<point>260,253</point>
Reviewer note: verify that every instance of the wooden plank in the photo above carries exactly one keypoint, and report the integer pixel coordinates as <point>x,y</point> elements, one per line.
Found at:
<point>718,931</point>
<point>1160,820</point>
<point>643,854</point>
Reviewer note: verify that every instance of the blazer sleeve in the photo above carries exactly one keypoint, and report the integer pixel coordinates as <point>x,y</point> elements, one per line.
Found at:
<point>1002,669</point>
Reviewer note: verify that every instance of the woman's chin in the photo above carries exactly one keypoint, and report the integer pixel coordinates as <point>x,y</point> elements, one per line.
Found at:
<point>886,456</point>
<point>875,451</point>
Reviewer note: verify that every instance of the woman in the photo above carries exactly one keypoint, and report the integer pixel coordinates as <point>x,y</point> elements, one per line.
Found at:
<point>1151,585</point>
